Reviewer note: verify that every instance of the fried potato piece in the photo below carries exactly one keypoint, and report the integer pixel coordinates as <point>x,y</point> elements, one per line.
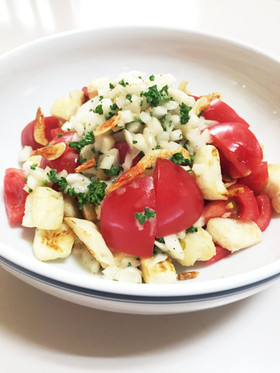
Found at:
<point>208,175</point>
<point>95,84</point>
<point>197,246</point>
<point>44,209</point>
<point>89,212</point>
<point>87,232</point>
<point>53,244</point>
<point>156,271</point>
<point>272,187</point>
<point>64,108</point>
<point>146,162</point>
<point>234,234</point>
<point>71,207</point>
<point>51,152</point>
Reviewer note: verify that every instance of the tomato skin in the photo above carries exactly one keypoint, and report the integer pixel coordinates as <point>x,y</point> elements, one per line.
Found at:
<point>257,178</point>
<point>265,211</point>
<point>123,149</point>
<point>221,112</point>
<point>246,201</point>
<point>120,228</point>
<point>69,160</point>
<point>27,134</point>
<point>220,254</point>
<point>239,146</point>
<point>179,202</point>
<point>14,194</point>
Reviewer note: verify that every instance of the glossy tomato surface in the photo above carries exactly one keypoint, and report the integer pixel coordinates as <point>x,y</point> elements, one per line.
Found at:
<point>257,179</point>
<point>221,112</point>
<point>14,194</point>
<point>265,211</point>
<point>69,160</point>
<point>120,228</point>
<point>179,202</point>
<point>239,146</point>
<point>246,202</point>
<point>27,135</point>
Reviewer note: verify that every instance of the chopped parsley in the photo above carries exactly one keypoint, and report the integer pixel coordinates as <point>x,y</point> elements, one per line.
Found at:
<point>154,96</point>
<point>33,167</point>
<point>184,113</point>
<point>86,140</point>
<point>129,97</point>
<point>142,217</point>
<point>191,229</point>
<point>160,239</point>
<point>123,83</point>
<point>98,109</point>
<point>180,160</point>
<point>59,135</point>
<point>113,171</point>
<point>94,195</point>
<point>134,141</point>
<point>152,78</point>
<point>111,86</point>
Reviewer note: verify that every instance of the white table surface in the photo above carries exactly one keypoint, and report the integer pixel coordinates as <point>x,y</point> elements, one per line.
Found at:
<point>40,333</point>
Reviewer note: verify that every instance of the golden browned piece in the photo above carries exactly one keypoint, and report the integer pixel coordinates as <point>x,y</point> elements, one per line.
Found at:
<point>147,161</point>
<point>108,125</point>
<point>51,152</point>
<point>84,166</point>
<point>39,128</point>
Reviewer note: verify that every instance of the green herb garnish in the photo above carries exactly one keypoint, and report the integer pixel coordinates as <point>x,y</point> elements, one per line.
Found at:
<point>113,171</point>
<point>142,217</point>
<point>86,140</point>
<point>184,113</point>
<point>98,109</point>
<point>191,229</point>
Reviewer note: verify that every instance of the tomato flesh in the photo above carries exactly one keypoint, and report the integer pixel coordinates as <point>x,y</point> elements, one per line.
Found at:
<point>221,112</point>
<point>119,226</point>
<point>238,145</point>
<point>27,134</point>
<point>265,211</point>
<point>179,202</point>
<point>14,194</point>
<point>69,160</point>
<point>257,178</point>
<point>246,201</point>
<point>221,253</point>
<point>215,209</point>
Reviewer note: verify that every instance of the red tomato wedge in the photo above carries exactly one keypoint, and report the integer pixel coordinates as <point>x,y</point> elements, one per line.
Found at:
<point>27,134</point>
<point>265,211</point>
<point>215,209</point>
<point>257,178</point>
<point>220,254</point>
<point>120,228</point>
<point>69,160</point>
<point>179,202</point>
<point>239,146</point>
<point>14,194</point>
<point>221,112</point>
<point>246,201</point>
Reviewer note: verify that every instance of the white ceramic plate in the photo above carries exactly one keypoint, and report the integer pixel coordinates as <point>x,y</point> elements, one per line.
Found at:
<point>38,73</point>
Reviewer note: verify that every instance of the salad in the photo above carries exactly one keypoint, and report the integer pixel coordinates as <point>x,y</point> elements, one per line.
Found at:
<point>139,179</point>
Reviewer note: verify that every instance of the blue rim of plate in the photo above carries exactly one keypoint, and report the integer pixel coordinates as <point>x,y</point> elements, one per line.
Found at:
<point>140,299</point>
